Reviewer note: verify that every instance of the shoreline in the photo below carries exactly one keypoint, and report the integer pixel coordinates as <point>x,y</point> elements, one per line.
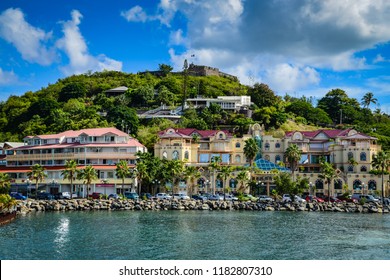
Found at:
<point>31,205</point>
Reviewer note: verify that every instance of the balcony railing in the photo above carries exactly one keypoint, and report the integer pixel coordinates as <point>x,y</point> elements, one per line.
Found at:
<point>63,156</point>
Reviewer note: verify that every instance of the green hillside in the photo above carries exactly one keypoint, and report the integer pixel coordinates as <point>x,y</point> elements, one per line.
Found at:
<point>80,101</point>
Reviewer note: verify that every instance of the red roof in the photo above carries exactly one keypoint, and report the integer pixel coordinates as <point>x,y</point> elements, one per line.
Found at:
<point>89,131</point>
<point>186,132</point>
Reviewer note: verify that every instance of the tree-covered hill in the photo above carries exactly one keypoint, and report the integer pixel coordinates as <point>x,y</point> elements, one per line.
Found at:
<point>80,101</point>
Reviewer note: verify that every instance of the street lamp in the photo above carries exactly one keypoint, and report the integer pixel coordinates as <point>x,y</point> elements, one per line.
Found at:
<point>28,181</point>
<point>363,188</point>
<point>311,188</point>
<point>156,183</point>
<point>207,185</point>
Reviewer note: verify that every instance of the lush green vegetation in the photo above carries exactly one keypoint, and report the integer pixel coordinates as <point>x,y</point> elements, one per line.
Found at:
<point>80,101</point>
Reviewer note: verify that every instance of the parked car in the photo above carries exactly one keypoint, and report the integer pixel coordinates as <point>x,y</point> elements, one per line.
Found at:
<point>230,197</point>
<point>247,197</point>
<point>199,197</point>
<point>367,197</point>
<point>18,196</point>
<point>95,195</point>
<point>45,196</point>
<point>347,198</point>
<point>163,196</point>
<point>265,199</point>
<point>331,199</point>
<point>181,196</point>
<point>113,196</point>
<point>216,197</point>
<point>311,198</point>
<point>286,198</point>
<point>131,195</point>
<point>62,195</point>
<point>146,196</point>
<point>297,198</point>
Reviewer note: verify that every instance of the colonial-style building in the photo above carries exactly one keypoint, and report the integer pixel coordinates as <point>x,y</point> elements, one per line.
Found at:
<point>339,147</point>
<point>101,148</point>
<point>349,151</point>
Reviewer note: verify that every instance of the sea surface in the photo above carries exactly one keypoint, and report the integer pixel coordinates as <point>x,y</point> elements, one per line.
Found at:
<point>196,235</point>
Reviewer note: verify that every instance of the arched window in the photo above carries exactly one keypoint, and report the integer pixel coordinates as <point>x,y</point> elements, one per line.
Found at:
<point>219,184</point>
<point>363,169</point>
<point>319,184</point>
<point>201,182</point>
<point>350,155</point>
<point>357,185</point>
<point>238,145</point>
<point>175,155</point>
<point>237,158</point>
<point>165,155</point>
<point>338,184</point>
<point>350,168</point>
<point>266,146</point>
<point>372,185</point>
<point>277,145</point>
<point>232,183</point>
<point>363,156</point>
<point>277,158</point>
<point>186,155</point>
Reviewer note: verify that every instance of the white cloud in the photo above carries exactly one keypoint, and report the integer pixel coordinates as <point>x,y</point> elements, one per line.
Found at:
<point>73,44</point>
<point>7,78</point>
<point>135,14</point>
<point>27,39</point>
<point>177,38</point>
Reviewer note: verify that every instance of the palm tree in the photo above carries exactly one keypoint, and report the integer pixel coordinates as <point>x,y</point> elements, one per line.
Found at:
<point>367,99</point>
<point>328,173</point>
<point>122,171</point>
<point>70,173</point>
<point>88,174</point>
<point>176,171</point>
<point>293,155</point>
<point>243,177</point>
<point>37,173</point>
<point>224,174</point>
<point>381,161</point>
<point>250,150</point>
<point>214,166</point>
<point>141,173</point>
<point>5,183</point>
<point>193,174</point>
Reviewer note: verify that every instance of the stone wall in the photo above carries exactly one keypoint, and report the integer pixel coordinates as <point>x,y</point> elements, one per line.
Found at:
<point>28,206</point>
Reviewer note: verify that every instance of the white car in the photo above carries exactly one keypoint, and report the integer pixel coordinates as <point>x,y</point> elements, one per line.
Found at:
<point>265,198</point>
<point>163,196</point>
<point>181,196</point>
<point>297,198</point>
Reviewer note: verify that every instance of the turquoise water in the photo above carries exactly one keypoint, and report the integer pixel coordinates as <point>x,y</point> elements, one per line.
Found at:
<point>169,235</point>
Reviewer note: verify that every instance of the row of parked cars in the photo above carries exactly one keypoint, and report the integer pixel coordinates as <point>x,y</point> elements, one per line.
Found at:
<point>355,198</point>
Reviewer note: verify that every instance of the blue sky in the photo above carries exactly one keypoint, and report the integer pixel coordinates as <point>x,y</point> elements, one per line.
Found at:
<point>299,47</point>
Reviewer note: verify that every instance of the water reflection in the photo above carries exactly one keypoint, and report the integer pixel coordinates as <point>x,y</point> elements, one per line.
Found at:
<point>62,234</point>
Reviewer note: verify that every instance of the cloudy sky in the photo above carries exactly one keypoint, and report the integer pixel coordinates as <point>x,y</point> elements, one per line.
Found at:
<point>299,47</point>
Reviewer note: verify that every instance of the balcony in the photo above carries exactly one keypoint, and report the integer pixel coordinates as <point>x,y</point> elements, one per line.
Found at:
<point>68,156</point>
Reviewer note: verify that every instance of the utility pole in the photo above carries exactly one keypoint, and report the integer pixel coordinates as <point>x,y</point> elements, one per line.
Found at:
<point>185,77</point>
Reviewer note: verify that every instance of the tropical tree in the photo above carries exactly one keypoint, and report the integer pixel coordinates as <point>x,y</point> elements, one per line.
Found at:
<point>176,172</point>
<point>193,174</point>
<point>37,173</point>
<point>214,167</point>
<point>293,155</point>
<point>367,99</point>
<point>224,174</point>
<point>243,178</point>
<point>328,173</point>
<point>122,171</point>
<point>250,150</point>
<point>141,173</point>
<point>70,173</point>
<point>5,183</point>
<point>88,174</point>
<point>381,161</point>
